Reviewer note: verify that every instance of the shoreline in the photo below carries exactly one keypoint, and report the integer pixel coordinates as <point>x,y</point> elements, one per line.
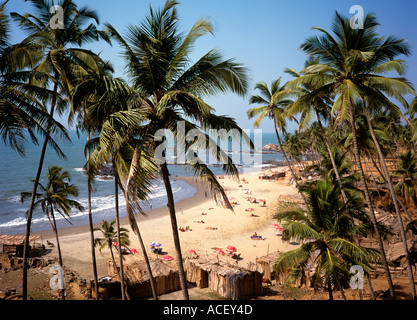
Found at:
<point>150,214</point>
<point>221,227</point>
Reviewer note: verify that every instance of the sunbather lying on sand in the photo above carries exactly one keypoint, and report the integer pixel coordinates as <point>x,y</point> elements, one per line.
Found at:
<point>256,237</point>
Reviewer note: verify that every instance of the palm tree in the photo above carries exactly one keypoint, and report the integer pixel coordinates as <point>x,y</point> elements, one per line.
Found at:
<point>275,103</point>
<point>310,105</point>
<point>111,235</point>
<point>20,111</point>
<point>106,104</point>
<point>344,167</point>
<point>326,231</point>
<point>157,57</point>
<point>406,176</point>
<point>352,64</point>
<point>55,198</point>
<point>60,63</point>
<point>86,93</point>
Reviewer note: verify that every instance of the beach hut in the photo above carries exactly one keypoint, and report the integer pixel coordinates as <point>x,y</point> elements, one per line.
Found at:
<point>229,281</point>
<point>137,277</point>
<point>264,265</point>
<point>13,244</point>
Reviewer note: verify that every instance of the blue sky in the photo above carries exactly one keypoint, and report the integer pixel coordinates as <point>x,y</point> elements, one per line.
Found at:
<point>264,35</point>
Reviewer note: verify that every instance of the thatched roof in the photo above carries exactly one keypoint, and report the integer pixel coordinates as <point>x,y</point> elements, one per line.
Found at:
<point>15,240</point>
<point>135,270</point>
<point>395,251</point>
<point>220,265</point>
<point>224,277</point>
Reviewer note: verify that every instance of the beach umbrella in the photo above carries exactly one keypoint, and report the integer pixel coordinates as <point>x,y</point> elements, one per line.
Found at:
<point>231,249</point>
<point>191,251</point>
<point>276,227</point>
<point>250,209</point>
<point>232,198</point>
<point>156,244</point>
<point>219,251</point>
<point>131,251</point>
<point>167,258</point>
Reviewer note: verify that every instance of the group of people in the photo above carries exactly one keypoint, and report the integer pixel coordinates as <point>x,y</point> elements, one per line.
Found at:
<point>187,228</point>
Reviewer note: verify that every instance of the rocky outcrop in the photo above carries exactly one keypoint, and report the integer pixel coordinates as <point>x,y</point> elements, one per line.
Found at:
<point>271,147</point>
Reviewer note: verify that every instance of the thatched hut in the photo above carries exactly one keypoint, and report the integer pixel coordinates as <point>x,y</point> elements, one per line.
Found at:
<point>13,244</point>
<point>229,281</point>
<point>264,265</point>
<point>137,277</point>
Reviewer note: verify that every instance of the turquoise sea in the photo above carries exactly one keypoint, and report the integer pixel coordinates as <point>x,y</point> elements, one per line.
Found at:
<point>17,173</point>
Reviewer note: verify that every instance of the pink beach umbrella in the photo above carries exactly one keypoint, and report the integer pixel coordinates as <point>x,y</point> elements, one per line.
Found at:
<point>276,227</point>
<point>191,251</point>
<point>167,258</point>
<point>250,209</point>
<point>231,249</point>
<point>219,251</point>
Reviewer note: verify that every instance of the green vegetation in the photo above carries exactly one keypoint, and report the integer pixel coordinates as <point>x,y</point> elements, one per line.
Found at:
<point>351,102</point>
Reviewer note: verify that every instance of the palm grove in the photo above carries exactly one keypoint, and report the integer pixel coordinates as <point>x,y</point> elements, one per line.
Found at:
<point>352,86</point>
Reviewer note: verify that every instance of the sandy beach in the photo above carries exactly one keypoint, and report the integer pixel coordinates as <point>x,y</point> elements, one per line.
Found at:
<point>221,227</point>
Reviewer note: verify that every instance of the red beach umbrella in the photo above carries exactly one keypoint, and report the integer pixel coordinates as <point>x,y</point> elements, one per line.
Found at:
<point>167,258</point>
<point>219,251</point>
<point>231,249</point>
<point>191,251</point>
<point>276,227</point>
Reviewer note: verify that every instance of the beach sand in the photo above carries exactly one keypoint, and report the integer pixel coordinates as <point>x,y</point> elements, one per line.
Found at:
<point>232,227</point>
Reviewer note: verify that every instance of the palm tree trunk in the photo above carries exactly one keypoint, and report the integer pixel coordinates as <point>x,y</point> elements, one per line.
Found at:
<point>289,165</point>
<point>171,206</point>
<point>336,171</point>
<point>147,262</point>
<point>119,244</point>
<point>385,181</point>
<point>329,150</point>
<point>110,245</point>
<point>368,201</point>
<point>394,200</point>
<point>90,219</point>
<point>58,246</point>
<point>32,199</point>
<point>329,289</point>
<point>375,185</point>
<point>132,220</point>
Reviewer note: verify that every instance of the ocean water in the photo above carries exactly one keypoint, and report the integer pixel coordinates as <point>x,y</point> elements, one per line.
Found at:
<point>17,174</point>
